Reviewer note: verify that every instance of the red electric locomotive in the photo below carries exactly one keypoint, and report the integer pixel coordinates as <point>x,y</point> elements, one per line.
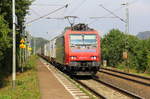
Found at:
<point>77,50</point>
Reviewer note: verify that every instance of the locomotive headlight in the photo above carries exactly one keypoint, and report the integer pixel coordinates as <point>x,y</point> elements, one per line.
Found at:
<point>93,57</point>
<point>73,57</point>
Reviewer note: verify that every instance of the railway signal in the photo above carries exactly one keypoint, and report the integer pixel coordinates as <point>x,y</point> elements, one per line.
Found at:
<point>22,45</point>
<point>22,41</point>
<point>22,48</point>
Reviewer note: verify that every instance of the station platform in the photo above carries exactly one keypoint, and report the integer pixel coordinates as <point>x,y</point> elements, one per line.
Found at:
<point>50,87</point>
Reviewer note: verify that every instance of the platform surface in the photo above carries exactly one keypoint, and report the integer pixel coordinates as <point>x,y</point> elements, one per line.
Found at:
<point>50,87</point>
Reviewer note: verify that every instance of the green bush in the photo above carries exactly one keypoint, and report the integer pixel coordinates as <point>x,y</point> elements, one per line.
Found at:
<point>116,42</point>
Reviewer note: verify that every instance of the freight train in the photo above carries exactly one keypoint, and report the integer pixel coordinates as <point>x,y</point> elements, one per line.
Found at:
<point>77,50</point>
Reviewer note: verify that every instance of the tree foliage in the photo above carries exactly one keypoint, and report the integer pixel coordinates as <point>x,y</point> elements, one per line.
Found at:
<point>116,42</point>
<point>6,31</point>
<point>4,38</point>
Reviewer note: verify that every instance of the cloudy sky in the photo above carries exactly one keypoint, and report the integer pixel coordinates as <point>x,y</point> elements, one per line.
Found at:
<point>139,16</point>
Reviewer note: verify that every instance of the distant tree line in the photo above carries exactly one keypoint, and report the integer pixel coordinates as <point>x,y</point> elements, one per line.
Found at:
<point>116,42</point>
<point>38,42</point>
<point>6,32</point>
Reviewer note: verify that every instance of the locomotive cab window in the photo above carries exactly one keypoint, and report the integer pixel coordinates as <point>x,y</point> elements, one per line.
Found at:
<point>89,39</point>
<point>83,39</point>
<point>76,39</point>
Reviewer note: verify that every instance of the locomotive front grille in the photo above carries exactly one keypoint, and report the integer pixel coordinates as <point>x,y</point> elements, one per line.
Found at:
<point>84,63</point>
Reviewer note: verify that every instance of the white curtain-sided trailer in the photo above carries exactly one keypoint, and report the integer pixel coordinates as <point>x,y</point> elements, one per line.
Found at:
<point>53,48</point>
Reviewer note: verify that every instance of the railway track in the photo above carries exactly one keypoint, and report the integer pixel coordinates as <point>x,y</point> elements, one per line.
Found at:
<point>72,85</point>
<point>125,92</point>
<point>102,95</point>
<point>115,90</point>
<point>127,76</point>
<point>90,89</point>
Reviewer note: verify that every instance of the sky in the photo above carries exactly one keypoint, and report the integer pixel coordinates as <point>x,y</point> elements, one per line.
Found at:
<point>139,16</point>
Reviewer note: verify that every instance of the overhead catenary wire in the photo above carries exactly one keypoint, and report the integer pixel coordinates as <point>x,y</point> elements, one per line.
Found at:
<point>47,14</point>
<point>47,5</point>
<point>106,14</point>
<point>77,7</point>
<point>35,12</point>
<point>113,13</point>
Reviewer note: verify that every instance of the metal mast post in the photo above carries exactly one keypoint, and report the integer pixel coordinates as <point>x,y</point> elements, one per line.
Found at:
<point>127,31</point>
<point>14,46</point>
<point>127,18</point>
<point>34,40</point>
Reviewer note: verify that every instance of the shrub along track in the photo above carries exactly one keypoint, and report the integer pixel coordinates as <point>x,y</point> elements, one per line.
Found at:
<point>134,83</point>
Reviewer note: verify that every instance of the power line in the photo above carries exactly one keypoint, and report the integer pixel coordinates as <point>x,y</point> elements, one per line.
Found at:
<point>100,17</point>
<point>57,18</point>
<point>77,7</point>
<point>113,13</point>
<point>47,14</point>
<point>107,14</point>
<point>35,12</point>
<point>47,5</point>
<point>116,10</point>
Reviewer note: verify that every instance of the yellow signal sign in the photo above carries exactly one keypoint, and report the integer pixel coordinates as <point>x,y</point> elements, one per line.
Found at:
<point>22,45</point>
<point>22,41</point>
<point>29,48</point>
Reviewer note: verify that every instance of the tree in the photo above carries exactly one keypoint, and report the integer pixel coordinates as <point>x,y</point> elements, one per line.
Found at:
<point>5,31</point>
<point>112,47</point>
<point>115,43</point>
<point>4,38</point>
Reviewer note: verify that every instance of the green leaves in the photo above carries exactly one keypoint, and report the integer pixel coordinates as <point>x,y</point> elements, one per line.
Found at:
<point>4,38</point>
<point>112,47</point>
<point>5,31</point>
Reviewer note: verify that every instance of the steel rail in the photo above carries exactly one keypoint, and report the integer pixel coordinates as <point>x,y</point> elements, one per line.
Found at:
<point>136,81</point>
<point>90,89</point>
<point>134,96</point>
<point>133,75</point>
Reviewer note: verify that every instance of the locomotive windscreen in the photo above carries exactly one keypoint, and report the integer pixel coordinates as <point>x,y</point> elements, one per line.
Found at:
<point>82,39</point>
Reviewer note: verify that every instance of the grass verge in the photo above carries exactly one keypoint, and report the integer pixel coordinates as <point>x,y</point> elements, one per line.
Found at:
<point>26,84</point>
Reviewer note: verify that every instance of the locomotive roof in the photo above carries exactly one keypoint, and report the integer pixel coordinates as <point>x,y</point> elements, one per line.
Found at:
<point>79,27</point>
